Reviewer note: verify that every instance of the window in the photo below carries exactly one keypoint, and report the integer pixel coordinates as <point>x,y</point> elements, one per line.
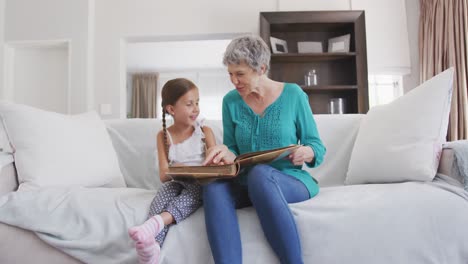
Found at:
<point>384,88</point>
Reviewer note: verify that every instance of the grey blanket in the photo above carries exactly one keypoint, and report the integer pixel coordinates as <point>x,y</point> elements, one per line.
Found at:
<point>89,224</point>
<point>418,223</point>
<point>460,162</point>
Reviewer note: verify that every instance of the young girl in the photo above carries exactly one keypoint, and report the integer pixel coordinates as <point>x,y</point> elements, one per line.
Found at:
<point>183,143</point>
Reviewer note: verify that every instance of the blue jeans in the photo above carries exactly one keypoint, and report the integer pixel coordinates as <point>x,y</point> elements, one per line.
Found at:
<point>269,191</point>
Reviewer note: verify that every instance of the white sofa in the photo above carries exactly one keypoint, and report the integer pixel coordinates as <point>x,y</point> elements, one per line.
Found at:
<point>409,222</point>
<point>97,180</point>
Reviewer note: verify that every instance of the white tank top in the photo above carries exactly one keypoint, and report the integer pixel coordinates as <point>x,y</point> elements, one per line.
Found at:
<point>190,151</point>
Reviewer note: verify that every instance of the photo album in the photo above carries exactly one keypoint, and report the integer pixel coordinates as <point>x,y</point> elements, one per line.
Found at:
<point>209,172</point>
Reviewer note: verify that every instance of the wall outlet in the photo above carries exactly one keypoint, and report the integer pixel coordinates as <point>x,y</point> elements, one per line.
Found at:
<point>106,109</point>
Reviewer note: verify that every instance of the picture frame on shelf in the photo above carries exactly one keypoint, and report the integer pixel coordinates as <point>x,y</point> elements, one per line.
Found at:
<point>339,44</point>
<point>278,45</point>
<point>309,47</point>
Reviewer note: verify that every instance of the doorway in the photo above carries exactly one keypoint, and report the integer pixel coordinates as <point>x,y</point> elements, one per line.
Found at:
<point>198,58</point>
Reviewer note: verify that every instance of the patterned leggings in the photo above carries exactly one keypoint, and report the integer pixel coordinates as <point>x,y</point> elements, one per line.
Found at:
<point>180,199</point>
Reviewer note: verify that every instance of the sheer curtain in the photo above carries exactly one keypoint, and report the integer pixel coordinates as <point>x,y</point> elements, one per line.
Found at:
<point>144,95</point>
<point>443,43</point>
<point>384,88</point>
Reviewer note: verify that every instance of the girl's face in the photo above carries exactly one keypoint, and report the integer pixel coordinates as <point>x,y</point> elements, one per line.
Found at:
<point>244,78</point>
<point>185,111</point>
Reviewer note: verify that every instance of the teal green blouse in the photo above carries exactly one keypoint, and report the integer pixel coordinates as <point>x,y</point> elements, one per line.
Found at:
<point>288,120</point>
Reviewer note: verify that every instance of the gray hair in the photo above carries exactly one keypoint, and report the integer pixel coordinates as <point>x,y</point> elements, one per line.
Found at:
<point>249,49</point>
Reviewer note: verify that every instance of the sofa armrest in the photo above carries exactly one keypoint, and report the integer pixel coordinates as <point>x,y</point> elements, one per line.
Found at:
<point>8,179</point>
<point>446,165</point>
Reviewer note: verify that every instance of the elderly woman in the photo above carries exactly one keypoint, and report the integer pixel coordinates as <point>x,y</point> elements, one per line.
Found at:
<point>261,114</point>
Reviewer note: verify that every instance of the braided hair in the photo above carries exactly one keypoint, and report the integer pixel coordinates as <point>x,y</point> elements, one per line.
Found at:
<point>170,94</point>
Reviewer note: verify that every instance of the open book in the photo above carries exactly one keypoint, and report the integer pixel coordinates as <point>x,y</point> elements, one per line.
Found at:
<point>208,172</point>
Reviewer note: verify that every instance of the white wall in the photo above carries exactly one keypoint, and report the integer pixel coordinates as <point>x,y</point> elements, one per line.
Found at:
<point>130,19</point>
<point>412,13</point>
<point>160,18</point>
<point>300,5</point>
<point>175,55</point>
<point>44,87</point>
<point>387,36</point>
<point>2,27</point>
<point>27,20</point>
<point>99,30</point>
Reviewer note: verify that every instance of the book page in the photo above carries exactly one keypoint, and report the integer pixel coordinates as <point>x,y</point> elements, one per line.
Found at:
<point>266,156</point>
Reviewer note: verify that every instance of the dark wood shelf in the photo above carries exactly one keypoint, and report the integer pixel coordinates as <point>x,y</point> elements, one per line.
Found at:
<point>340,74</point>
<point>317,27</point>
<point>328,88</point>
<point>308,57</point>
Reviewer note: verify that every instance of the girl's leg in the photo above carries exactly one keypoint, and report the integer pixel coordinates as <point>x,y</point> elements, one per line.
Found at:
<point>164,196</point>
<point>155,223</point>
<point>270,191</point>
<point>220,199</point>
<point>182,206</point>
<point>144,235</point>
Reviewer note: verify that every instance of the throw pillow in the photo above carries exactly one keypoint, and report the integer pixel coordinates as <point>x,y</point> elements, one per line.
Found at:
<point>56,149</point>
<point>135,143</point>
<point>338,134</point>
<point>402,141</point>
<point>5,147</point>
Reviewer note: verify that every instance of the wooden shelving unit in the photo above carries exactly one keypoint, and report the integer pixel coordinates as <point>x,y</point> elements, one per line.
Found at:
<point>340,74</point>
<point>328,87</point>
<point>305,57</point>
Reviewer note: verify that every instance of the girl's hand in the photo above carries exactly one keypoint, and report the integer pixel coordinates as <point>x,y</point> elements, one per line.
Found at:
<point>219,155</point>
<point>301,155</point>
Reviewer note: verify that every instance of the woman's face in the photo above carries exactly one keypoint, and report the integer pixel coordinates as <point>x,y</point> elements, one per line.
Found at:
<point>244,78</point>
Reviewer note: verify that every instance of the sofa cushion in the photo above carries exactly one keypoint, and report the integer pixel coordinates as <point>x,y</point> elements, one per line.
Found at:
<point>8,178</point>
<point>56,149</point>
<point>338,133</point>
<point>402,141</point>
<point>135,143</point>
<point>5,147</point>
<point>38,251</point>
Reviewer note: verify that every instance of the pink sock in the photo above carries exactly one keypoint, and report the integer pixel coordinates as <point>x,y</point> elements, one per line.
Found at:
<point>148,230</point>
<point>148,251</point>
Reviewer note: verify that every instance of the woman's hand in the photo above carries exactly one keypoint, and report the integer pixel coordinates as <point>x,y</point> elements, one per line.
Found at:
<point>301,155</point>
<point>219,155</point>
